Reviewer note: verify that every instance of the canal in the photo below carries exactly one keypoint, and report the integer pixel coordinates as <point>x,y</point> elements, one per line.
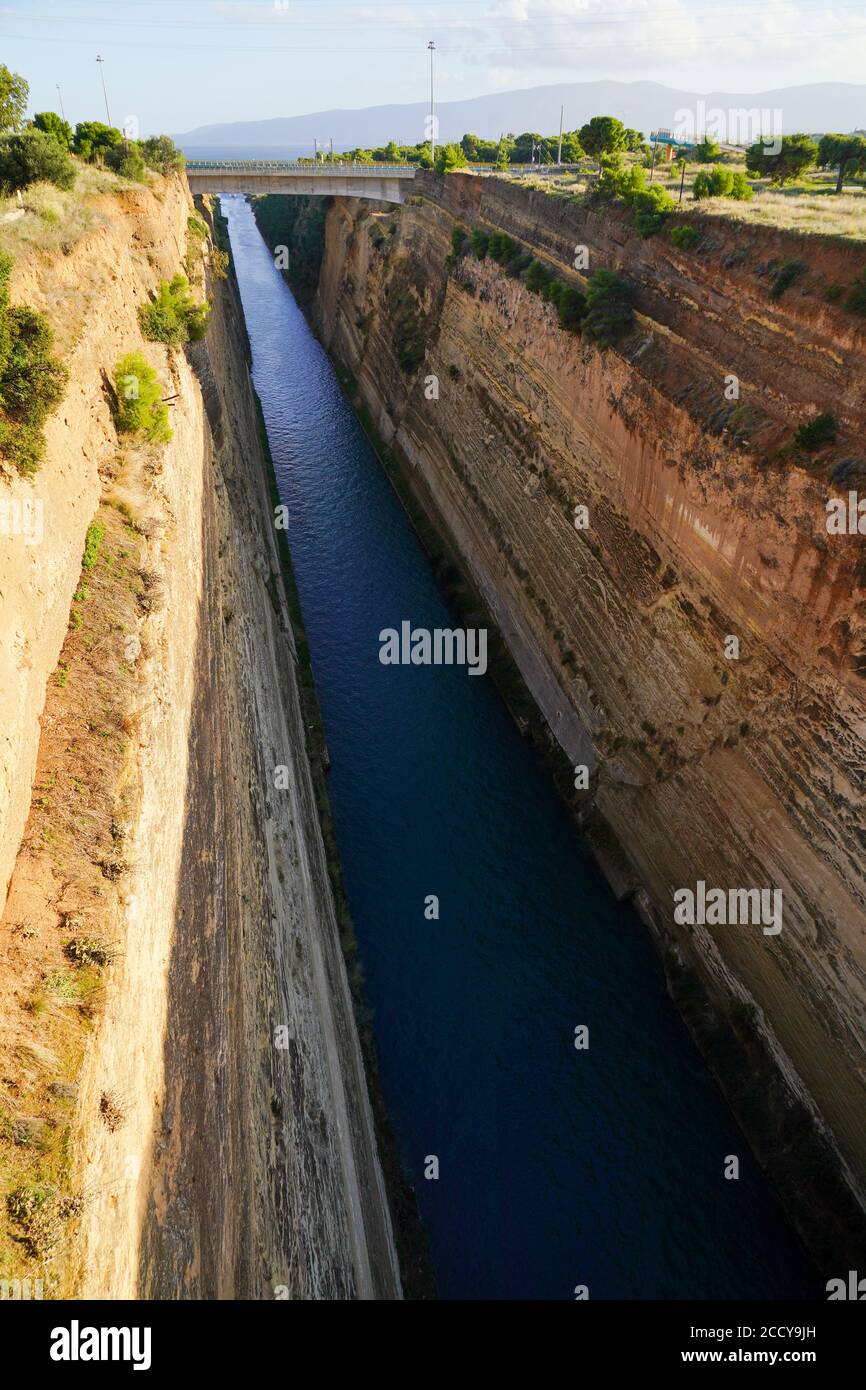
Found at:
<point>557,1167</point>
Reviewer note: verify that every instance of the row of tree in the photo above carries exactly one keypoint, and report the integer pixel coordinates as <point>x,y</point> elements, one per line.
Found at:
<point>41,149</point>
<point>601,135</point>
<point>792,155</point>
<point>781,161</point>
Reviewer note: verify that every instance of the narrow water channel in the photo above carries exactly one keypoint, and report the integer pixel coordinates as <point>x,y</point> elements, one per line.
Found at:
<point>557,1167</point>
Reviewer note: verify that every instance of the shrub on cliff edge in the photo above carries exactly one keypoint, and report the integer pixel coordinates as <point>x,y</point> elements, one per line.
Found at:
<point>32,157</point>
<point>32,379</point>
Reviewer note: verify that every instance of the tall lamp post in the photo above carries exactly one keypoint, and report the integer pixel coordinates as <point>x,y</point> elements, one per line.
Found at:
<point>432,47</point>
<point>100,61</point>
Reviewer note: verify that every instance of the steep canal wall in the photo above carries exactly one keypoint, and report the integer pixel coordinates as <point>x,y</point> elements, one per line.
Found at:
<point>197,1096</point>
<point>706,522</point>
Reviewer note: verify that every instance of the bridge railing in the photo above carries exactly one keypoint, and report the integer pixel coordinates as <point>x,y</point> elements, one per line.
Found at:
<point>288,166</point>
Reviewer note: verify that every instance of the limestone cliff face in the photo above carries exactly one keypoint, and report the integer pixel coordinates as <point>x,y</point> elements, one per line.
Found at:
<point>240,1159</point>
<point>704,524</point>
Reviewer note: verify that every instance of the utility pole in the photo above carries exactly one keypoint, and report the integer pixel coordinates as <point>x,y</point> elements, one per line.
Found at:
<point>559,151</point>
<point>432,47</point>
<point>315,151</point>
<point>60,98</point>
<point>100,61</point>
<point>653,167</point>
<point>682,181</point>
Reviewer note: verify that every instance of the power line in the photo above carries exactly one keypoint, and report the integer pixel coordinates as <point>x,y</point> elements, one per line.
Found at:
<point>493,21</point>
<point>567,50</point>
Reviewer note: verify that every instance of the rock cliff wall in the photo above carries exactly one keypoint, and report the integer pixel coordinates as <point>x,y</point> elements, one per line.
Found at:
<point>705,522</point>
<point>217,1138</point>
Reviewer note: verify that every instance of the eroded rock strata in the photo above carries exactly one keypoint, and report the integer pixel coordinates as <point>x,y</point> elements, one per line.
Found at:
<point>217,1135</point>
<point>705,522</point>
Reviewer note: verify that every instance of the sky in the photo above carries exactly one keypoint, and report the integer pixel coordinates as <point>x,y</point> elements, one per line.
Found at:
<point>177,64</point>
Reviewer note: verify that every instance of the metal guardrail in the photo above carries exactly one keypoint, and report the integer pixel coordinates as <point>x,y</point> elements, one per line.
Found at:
<point>287,166</point>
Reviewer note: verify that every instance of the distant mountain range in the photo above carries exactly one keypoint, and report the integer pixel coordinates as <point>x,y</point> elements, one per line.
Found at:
<point>820,106</point>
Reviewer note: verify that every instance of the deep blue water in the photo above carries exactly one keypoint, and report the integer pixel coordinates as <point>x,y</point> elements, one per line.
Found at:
<point>557,1167</point>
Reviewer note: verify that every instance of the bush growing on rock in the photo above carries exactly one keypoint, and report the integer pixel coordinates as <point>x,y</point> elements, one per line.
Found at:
<point>480,242</point>
<point>816,433</point>
<point>651,208</point>
<point>32,379</point>
<point>140,408</point>
<point>856,300</point>
<point>685,237</point>
<point>174,317</point>
<point>501,248</point>
<point>537,277</point>
<point>609,312</point>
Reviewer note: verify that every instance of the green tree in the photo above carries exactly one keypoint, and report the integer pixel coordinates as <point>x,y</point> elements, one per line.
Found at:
<point>572,149</point>
<point>523,146</point>
<point>651,208</point>
<point>707,150</point>
<point>603,135</point>
<point>140,408</point>
<point>634,140</point>
<point>162,154</point>
<point>54,125</point>
<point>471,145</point>
<point>717,183</point>
<point>796,154</point>
<point>609,312</point>
<point>846,153</point>
<point>32,379</point>
<point>722,183</point>
<point>14,92</point>
<point>742,190</point>
<point>31,156</point>
<point>127,160</point>
<point>449,157</point>
<point>93,138</point>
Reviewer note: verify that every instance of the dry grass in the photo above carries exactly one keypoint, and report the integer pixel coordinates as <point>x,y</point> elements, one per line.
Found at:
<point>811,207</point>
<point>813,213</point>
<point>59,928</point>
<point>49,219</point>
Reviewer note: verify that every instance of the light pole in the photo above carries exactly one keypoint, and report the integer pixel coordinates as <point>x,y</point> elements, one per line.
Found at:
<point>60,99</point>
<point>100,61</point>
<point>432,47</point>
